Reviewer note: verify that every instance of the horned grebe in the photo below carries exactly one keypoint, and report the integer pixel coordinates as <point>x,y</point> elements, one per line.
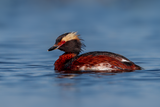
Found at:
<point>71,44</point>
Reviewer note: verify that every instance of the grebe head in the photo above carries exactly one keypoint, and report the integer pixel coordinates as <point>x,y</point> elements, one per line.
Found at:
<point>68,42</point>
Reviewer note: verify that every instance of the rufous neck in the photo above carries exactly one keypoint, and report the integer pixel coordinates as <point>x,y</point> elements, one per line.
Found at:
<point>68,55</point>
<point>60,63</point>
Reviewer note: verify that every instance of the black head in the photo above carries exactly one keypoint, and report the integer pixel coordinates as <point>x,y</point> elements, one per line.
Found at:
<point>68,42</point>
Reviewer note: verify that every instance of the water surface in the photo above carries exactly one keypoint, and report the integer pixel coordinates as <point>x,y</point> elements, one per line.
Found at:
<point>28,29</point>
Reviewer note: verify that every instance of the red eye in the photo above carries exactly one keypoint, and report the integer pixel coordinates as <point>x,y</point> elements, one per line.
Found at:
<point>62,42</point>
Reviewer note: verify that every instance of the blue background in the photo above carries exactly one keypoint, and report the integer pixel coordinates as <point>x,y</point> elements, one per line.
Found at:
<point>29,27</point>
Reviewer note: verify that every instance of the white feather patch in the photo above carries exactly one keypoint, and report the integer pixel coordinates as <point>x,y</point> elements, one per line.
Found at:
<point>101,66</point>
<point>124,60</point>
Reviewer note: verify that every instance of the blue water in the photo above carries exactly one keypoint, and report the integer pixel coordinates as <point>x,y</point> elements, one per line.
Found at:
<point>29,28</point>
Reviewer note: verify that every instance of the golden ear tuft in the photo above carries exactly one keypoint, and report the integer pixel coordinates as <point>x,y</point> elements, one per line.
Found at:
<point>70,36</point>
